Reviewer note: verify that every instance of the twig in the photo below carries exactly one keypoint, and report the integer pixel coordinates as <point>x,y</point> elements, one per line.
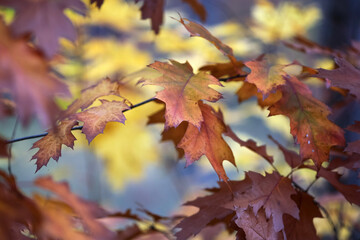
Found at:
<point>233,77</point>
<point>74,128</point>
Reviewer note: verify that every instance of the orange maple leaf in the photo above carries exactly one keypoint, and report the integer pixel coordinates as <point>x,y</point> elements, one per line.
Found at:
<point>96,118</point>
<point>265,76</point>
<point>308,121</point>
<point>50,145</point>
<point>208,141</point>
<point>182,91</point>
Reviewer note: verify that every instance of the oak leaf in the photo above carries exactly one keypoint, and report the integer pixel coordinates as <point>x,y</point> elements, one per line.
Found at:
<point>266,77</point>
<point>294,228</point>
<point>182,91</point>
<point>292,158</point>
<point>50,145</point>
<point>25,74</point>
<point>256,226</point>
<point>271,192</point>
<point>354,146</point>
<point>345,76</point>
<point>153,9</point>
<point>208,141</point>
<point>309,124</point>
<point>350,192</point>
<point>46,20</point>
<point>96,118</point>
<point>89,95</point>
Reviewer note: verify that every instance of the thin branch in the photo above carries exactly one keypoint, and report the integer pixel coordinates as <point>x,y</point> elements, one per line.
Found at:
<point>233,77</point>
<point>74,128</point>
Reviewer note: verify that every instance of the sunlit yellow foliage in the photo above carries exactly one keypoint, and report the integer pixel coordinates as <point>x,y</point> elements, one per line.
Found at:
<point>272,23</point>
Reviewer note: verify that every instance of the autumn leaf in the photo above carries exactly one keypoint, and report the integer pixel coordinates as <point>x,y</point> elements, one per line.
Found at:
<point>350,192</point>
<point>265,76</point>
<point>182,91</point>
<point>208,141</point>
<point>309,124</point>
<point>49,24</point>
<point>345,76</point>
<point>96,118</point>
<point>25,73</point>
<point>256,226</point>
<point>354,146</point>
<point>225,70</point>
<point>16,210</point>
<point>198,30</point>
<point>88,212</point>
<point>294,228</point>
<point>153,9</point>
<point>103,88</point>
<point>50,145</point>
<point>198,8</point>
<point>271,192</point>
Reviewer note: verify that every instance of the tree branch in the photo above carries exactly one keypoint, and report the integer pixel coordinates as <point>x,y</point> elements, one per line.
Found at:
<point>75,128</point>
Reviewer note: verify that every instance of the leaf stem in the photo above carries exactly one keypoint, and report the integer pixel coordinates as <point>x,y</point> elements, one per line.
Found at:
<point>73,129</point>
<point>9,147</point>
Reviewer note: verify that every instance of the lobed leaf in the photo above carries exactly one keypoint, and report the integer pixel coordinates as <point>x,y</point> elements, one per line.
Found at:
<point>182,91</point>
<point>153,9</point>
<point>309,124</point>
<point>208,141</point>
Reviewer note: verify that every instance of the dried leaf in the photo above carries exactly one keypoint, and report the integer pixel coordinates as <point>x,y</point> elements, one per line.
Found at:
<point>345,76</point>
<point>256,226</point>
<point>308,121</point>
<point>96,118</point>
<point>153,9</point>
<point>208,141</point>
<point>354,146</point>
<point>182,91</point>
<point>50,145</point>
<point>3,148</point>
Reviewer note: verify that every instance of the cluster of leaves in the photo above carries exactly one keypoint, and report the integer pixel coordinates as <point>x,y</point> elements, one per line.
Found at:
<point>270,206</point>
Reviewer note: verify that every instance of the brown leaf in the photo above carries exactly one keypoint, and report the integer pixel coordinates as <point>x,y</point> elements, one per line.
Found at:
<point>271,192</point>
<point>182,91</point>
<point>50,145</point>
<point>153,9</point>
<point>96,118</point>
<point>46,20</point>
<point>309,124</point>
<point>86,211</point>
<point>304,227</point>
<point>251,145</point>
<point>208,141</point>
<point>354,146</point>
<point>198,8</point>
<point>225,70</point>
<point>345,76</point>
<point>89,95</point>
<point>256,226</point>
<point>350,192</point>
<point>17,211</point>
<point>7,107</point>
<point>25,74</point>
